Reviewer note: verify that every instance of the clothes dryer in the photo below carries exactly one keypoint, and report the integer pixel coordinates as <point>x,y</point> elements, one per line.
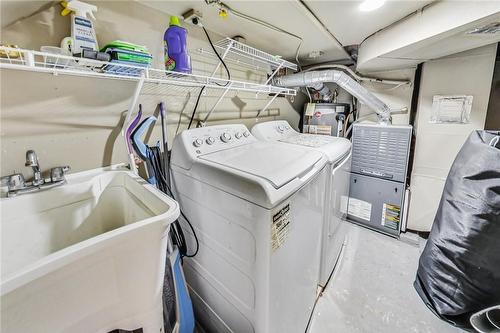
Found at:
<point>338,152</point>
<point>257,210</point>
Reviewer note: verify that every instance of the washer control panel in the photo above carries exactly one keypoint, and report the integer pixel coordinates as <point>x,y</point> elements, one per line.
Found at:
<point>309,140</point>
<point>210,139</point>
<point>273,130</point>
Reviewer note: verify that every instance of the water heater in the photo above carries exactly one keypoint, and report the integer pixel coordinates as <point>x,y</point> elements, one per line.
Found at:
<point>325,118</point>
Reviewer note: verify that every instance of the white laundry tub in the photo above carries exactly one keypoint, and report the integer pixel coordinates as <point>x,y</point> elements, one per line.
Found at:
<point>88,256</point>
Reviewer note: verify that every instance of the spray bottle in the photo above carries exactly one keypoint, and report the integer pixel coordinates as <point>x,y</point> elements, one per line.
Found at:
<point>82,30</point>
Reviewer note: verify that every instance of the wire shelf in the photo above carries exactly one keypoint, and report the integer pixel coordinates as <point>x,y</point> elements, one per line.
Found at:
<point>36,61</point>
<point>150,81</point>
<point>248,55</point>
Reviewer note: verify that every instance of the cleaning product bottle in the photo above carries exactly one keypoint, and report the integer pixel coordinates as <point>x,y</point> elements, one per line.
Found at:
<point>175,43</point>
<point>82,30</point>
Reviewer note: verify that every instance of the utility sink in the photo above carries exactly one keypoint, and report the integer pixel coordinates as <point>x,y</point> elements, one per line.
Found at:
<point>88,256</point>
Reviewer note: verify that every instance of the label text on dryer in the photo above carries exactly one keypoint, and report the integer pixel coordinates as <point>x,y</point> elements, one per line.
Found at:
<point>280,227</point>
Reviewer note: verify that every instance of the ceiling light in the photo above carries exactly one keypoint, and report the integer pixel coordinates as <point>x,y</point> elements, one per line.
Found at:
<point>369,5</point>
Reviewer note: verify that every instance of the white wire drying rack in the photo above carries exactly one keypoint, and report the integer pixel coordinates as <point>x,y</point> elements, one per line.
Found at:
<point>58,64</point>
<point>242,54</point>
<point>158,81</point>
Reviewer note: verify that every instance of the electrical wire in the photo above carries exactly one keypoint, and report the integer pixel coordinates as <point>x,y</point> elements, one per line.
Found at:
<point>195,107</point>
<point>297,55</point>
<point>154,156</point>
<point>308,94</point>
<point>203,88</point>
<point>218,56</point>
<point>310,13</point>
<point>262,23</point>
<point>179,122</point>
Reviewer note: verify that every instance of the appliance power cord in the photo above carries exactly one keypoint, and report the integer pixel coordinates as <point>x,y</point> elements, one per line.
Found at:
<point>203,88</point>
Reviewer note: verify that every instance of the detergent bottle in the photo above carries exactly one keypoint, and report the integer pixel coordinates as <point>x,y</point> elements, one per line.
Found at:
<point>175,43</point>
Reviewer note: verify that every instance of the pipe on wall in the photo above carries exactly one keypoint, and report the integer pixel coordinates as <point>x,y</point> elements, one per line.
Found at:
<point>317,80</point>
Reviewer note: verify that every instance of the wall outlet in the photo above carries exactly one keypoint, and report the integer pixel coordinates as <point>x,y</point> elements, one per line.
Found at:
<point>193,17</point>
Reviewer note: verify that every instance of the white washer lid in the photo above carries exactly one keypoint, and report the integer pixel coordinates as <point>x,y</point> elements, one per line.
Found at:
<point>276,163</point>
<point>335,148</point>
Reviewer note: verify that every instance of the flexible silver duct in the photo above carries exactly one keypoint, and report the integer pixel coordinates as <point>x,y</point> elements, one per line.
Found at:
<point>316,80</point>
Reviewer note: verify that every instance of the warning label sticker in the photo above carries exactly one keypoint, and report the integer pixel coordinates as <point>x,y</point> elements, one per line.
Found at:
<point>391,216</point>
<point>360,209</point>
<point>280,227</point>
<point>320,129</point>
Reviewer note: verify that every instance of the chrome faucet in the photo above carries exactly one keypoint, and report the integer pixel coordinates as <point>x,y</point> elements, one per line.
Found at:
<point>32,161</point>
<point>16,183</point>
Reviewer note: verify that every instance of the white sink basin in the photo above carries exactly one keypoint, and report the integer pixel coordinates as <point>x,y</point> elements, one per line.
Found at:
<point>88,256</point>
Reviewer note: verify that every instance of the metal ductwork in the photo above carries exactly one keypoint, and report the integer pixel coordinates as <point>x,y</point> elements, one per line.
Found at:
<point>317,79</point>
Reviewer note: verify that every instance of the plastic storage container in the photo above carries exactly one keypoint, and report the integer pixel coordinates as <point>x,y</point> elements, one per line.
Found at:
<point>88,256</point>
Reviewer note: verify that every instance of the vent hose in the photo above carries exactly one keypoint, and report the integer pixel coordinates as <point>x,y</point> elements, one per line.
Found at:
<point>317,79</point>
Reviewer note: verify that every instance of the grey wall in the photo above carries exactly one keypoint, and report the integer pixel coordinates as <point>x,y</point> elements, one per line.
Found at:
<point>468,73</point>
<point>76,121</point>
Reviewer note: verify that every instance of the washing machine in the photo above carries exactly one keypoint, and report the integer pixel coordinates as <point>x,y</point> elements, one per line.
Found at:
<point>338,152</point>
<point>256,208</point>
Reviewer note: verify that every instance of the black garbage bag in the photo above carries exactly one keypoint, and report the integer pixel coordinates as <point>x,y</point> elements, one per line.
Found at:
<point>459,269</point>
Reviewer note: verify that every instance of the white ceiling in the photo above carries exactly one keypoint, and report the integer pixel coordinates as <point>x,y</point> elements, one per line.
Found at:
<point>343,19</point>
<point>284,14</point>
<point>351,26</point>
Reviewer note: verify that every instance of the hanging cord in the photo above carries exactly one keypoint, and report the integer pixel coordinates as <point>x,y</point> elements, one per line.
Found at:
<point>218,56</point>
<point>196,107</point>
<point>178,123</point>
<point>308,94</point>
<point>154,156</point>
<point>260,22</point>
<point>203,88</point>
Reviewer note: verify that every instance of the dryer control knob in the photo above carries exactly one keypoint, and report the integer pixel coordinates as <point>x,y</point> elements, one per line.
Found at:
<point>210,140</point>
<point>281,128</point>
<point>225,137</point>
<point>238,135</point>
<point>246,134</point>
<point>197,142</point>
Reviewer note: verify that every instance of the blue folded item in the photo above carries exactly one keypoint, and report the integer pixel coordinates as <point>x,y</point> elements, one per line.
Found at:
<point>124,70</point>
<point>127,57</point>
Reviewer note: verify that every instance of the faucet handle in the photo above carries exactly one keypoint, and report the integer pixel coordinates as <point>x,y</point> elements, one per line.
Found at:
<point>14,182</point>
<point>57,173</point>
<point>31,159</point>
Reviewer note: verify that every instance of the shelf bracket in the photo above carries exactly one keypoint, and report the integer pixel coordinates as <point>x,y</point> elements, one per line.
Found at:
<point>30,59</point>
<point>226,51</point>
<point>216,104</point>
<point>267,105</point>
<point>274,73</point>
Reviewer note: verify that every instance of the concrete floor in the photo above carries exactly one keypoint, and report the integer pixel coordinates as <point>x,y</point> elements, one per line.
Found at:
<point>372,290</point>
